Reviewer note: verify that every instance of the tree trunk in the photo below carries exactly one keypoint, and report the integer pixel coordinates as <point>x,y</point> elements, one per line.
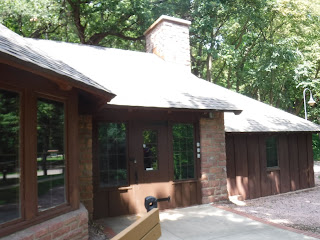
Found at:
<point>229,77</point>
<point>209,68</point>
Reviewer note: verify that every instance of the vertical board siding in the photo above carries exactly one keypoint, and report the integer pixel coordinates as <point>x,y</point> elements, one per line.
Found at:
<point>185,194</point>
<point>274,177</point>
<point>241,165</point>
<point>284,164</point>
<point>253,166</point>
<point>247,171</point>
<point>303,164</point>
<point>294,162</point>
<point>231,168</point>
<point>193,194</point>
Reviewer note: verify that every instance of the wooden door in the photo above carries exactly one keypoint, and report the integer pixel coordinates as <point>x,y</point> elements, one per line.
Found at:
<point>148,153</point>
<point>150,169</point>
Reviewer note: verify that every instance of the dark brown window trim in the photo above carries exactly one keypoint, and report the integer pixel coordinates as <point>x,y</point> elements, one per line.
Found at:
<point>28,99</point>
<point>196,137</point>
<point>185,181</point>
<point>19,91</point>
<point>271,169</point>
<point>96,164</point>
<point>63,100</point>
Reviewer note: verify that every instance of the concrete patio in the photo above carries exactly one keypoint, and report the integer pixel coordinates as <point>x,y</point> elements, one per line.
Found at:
<point>205,222</point>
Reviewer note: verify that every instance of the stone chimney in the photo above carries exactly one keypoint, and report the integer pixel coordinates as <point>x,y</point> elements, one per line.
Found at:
<point>168,37</point>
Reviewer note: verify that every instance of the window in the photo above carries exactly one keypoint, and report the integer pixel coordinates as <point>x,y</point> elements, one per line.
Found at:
<point>50,154</point>
<point>9,156</point>
<point>112,154</point>
<point>38,150</point>
<point>150,150</point>
<point>272,151</point>
<point>183,151</point>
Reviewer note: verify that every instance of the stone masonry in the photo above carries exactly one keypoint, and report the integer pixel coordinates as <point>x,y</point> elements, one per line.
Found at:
<point>213,159</point>
<point>85,163</point>
<point>168,38</point>
<point>71,226</point>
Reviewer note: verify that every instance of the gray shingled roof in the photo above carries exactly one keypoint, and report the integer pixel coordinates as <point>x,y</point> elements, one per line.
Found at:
<point>145,80</point>
<point>260,117</point>
<point>13,45</point>
<point>140,79</point>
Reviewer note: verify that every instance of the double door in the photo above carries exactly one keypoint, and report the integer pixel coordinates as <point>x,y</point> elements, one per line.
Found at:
<point>149,173</point>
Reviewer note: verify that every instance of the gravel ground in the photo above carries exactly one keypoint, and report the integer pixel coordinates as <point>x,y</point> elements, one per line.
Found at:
<point>300,209</point>
<point>96,232</point>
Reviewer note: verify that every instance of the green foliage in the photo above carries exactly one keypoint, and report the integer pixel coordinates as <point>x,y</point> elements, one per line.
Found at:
<point>112,154</point>
<point>47,184</point>
<point>316,147</point>
<point>183,151</point>
<point>266,49</point>
<point>50,127</point>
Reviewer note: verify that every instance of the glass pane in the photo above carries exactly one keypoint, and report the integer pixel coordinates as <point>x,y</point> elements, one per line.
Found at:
<point>9,156</point>
<point>272,152</point>
<point>150,150</point>
<point>112,154</point>
<point>50,154</point>
<point>183,156</point>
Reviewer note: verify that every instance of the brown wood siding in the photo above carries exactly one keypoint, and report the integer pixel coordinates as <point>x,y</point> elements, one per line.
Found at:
<point>241,165</point>
<point>247,172</point>
<point>294,162</point>
<point>254,169</point>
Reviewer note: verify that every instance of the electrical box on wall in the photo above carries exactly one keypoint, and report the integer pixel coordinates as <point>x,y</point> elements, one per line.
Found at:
<point>198,150</point>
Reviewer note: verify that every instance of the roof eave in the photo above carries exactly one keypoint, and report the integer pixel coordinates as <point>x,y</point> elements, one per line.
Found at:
<point>64,82</point>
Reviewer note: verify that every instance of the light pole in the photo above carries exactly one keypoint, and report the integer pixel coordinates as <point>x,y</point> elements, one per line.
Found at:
<point>311,102</point>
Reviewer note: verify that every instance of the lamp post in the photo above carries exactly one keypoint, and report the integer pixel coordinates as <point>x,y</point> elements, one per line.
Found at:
<point>311,102</point>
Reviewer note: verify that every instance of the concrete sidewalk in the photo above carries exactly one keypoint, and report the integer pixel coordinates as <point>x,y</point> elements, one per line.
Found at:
<point>208,222</point>
<point>205,222</point>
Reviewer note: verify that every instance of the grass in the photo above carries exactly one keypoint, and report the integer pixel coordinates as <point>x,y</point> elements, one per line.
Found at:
<point>11,195</point>
<point>57,158</point>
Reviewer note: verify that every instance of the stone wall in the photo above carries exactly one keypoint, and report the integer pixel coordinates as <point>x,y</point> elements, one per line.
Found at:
<point>85,163</point>
<point>213,159</point>
<point>72,225</point>
<point>169,39</point>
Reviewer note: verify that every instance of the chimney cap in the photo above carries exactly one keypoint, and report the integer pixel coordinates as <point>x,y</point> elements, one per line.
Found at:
<point>167,18</point>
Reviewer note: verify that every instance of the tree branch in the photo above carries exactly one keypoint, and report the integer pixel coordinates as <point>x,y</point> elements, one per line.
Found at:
<point>96,38</point>
<point>77,20</point>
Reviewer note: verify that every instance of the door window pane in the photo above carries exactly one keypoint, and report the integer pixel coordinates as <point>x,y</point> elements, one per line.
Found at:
<point>183,151</point>
<point>9,156</point>
<point>50,154</point>
<point>112,154</point>
<point>150,150</point>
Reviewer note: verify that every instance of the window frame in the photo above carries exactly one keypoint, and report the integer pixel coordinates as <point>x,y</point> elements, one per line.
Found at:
<point>30,90</point>
<point>196,138</point>
<point>96,159</point>
<point>19,91</point>
<point>276,138</point>
<point>66,152</point>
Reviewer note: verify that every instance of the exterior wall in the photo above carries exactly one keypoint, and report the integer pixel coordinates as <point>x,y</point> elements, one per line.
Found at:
<point>170,40</point>
<point>85,163</point>
<point>213,159</point>
<point>247,170</point>
<point>73,225</point>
